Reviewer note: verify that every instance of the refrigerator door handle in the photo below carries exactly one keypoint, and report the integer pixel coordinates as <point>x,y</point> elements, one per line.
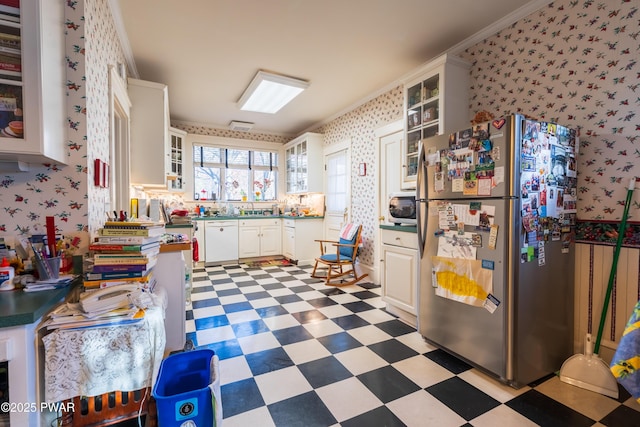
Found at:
<point>421,184</point>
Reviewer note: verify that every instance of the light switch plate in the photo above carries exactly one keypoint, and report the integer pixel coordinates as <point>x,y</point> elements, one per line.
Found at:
<point>6,349</point>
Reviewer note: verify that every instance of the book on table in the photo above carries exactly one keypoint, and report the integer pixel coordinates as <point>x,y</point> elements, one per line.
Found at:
<point>106,247</point>
<point>128,240</point>
<point>120,268</point>
<point>133,224</point>
<point>147,281</point>
<point>152,250</point>
<point>131,231</point>
<point>149,262</point>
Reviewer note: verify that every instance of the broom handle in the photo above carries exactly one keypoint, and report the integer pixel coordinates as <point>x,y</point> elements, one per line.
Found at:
<point>614,265</point>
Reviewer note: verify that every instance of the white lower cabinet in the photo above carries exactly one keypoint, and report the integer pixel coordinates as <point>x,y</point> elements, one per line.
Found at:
<point>298,239</point>
<point>399,273</point>
<point>259,237</point>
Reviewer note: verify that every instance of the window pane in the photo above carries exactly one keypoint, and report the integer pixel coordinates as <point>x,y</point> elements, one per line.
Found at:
<point>237,157</point>
<point>236,184</point>
<point>206,182</point>
<point>264,187</point>
<point>234,180</point>
<point>261,158</point>
<point>210,154</point>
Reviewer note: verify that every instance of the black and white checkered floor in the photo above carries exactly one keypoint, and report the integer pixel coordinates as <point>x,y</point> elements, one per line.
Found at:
<point>297,353</point>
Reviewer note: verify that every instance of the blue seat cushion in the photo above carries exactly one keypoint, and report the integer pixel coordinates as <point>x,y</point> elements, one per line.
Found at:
<point>332,258</point>
<point>347,251</point>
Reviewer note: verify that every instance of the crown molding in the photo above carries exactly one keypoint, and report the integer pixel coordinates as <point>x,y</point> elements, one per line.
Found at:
<point>116,13</point>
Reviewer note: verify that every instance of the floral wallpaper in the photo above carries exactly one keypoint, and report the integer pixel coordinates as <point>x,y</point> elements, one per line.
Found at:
<point>103,44</point>
<point>51,189</point>
<point>67,192</point>
<point>574,62</point>
<point>360,125</point>
<point>228,133</point>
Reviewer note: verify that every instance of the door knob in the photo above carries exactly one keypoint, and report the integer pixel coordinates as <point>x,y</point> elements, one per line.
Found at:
<point>381,218</point>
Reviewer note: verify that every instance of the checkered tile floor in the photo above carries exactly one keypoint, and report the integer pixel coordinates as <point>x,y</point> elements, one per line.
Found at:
<point>297,353</point>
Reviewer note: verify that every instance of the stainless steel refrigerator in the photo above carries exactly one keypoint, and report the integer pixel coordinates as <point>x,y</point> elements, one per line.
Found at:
<point>496,207</point>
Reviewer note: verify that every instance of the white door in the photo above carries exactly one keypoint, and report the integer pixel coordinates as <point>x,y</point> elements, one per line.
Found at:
<point>390,139</point>
<point>337,184</point>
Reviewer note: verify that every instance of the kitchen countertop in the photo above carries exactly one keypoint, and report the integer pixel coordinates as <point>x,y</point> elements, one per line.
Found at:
<point>20,308</point>
<point>406,228</point>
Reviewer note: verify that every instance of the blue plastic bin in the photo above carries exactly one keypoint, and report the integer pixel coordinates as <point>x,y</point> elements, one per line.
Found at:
<point>182,390</point>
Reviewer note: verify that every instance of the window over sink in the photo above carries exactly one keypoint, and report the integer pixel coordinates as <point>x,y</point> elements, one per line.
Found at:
<point>234,174</point>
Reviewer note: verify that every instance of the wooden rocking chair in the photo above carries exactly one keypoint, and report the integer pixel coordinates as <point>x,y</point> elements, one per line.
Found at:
<point>346,253</point>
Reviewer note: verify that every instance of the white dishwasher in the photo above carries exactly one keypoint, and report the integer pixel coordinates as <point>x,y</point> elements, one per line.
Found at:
<point>221,240</point>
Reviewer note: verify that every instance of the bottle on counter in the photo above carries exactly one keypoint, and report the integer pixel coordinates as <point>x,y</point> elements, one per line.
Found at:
<point>6,276</point>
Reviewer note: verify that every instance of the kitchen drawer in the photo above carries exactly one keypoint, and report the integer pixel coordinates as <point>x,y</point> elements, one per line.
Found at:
<point>400,238</point>
<point>214,223</point>
<point>259,222</point>
<point>289,223</point>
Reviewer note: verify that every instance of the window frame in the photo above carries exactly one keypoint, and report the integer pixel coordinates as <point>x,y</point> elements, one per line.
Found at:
<point>224,165</point>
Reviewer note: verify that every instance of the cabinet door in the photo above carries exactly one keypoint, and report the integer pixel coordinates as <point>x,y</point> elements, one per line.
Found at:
<point>150,160</point>
<point>176,159</point>
<point>270,240</point>
<point>422,121</point>
<point>249,242</point>
<point>290,169</point>
<point>399,277</point>
<point>32,83</point>
<point>289,243</point>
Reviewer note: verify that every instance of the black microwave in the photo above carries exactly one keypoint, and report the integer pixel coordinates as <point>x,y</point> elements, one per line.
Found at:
<point>402,208</point>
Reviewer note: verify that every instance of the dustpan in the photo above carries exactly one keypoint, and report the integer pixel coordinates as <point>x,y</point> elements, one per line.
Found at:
<point>588,370</point>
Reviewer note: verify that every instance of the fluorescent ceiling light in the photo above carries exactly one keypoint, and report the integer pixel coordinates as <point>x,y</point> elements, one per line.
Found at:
<point>268,92</point>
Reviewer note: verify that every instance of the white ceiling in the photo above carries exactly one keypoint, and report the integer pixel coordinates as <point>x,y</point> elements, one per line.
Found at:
<point>207,51</point>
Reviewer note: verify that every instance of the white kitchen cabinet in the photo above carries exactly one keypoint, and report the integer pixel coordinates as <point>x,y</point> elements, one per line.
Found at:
<point>436,102</point>
<point>177,140</point>
<point>34,98</point>
<point>221,241</point>
<point>259,237</point>
<point>150,142</point>
<point>399,273</point>
<point>303,164</point>
<point>298,239</point>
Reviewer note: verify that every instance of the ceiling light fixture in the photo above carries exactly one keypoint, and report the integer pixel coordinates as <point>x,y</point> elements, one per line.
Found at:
<point>240,126</point>
<point>268,93</point>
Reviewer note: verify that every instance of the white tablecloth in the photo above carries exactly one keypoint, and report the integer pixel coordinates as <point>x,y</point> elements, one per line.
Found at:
<point>90,362</point>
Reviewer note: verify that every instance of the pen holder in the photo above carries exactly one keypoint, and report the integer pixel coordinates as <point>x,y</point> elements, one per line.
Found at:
<point>48,268</point>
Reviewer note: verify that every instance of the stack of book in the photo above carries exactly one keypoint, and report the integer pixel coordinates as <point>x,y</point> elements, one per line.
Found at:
<point>10,43</point>
<point>125,252</point>
<point>117,305</point>
<point>10,10</point>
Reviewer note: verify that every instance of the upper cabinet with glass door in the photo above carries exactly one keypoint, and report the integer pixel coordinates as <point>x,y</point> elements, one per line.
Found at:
<point>32,81</point>
<point>177,139</point>
<point>303,163</point>
<point>436,102</point>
